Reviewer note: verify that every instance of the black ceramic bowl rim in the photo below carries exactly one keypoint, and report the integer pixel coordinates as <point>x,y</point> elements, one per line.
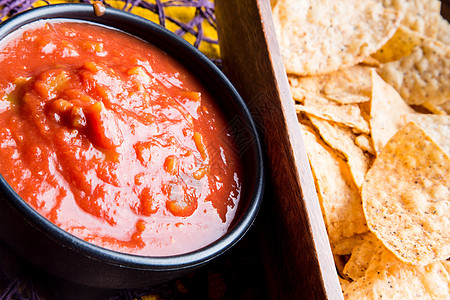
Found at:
<point>79,11</point>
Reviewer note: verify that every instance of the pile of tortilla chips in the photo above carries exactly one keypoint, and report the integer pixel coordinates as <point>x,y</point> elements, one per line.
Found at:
<point>371,84</point>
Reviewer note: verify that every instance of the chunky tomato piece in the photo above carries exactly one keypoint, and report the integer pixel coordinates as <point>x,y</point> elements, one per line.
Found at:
<point>102,126</point>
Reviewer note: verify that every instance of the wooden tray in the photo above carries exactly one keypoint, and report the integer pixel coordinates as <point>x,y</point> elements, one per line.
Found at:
<point>297,258</point>
<point>296,252</point>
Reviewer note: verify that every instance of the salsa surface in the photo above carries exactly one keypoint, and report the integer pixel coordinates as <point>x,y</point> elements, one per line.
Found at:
<point>114,141</point>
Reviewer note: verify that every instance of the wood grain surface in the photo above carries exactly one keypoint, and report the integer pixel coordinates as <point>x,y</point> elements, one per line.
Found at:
<point>445,9</point>
<point>297,255</point>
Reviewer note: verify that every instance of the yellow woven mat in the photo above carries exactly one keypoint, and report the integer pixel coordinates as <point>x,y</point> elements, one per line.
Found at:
<point>182,14</point>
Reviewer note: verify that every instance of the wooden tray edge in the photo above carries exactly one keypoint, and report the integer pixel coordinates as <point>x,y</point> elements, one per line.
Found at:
<point>302,264</point>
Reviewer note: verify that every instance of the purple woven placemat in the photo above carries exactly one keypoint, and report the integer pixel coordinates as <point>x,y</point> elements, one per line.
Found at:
<point>204,11</point>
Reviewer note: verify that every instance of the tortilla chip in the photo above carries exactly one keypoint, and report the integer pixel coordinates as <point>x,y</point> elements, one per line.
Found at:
<point>370,61</point>
<point>400,45</point>
<point>421,76</point>
<point>344,283</point>
<point>357,265</point>
<point>346,245</point>
<point>346,114</point>
<point>386,112</point>
<point>443,34</point>
<point>303,87</point>
<point>446,107</point>
<point>422,16</point>
<point>388,278</point>
<point>349,85</point>
<point>406,197</point>
<point>436,126</point>
<point>343,140</point>
<point>318,37</point>
<point>339,197</point>
<point>434,108</point>
<point>339,262</point>
<point>364,142</point>
<point>446,264</point>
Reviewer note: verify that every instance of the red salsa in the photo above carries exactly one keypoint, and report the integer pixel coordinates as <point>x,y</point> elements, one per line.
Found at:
<point>114,141</point>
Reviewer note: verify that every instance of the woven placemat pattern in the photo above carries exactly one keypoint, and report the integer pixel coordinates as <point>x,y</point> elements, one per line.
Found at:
<point>192,19</point>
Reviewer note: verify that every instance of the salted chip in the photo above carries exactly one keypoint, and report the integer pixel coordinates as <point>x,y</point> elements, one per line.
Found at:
<point>387,277</point>
<point>446,107</point>
<point>423,16</point>
<point>421,76</point>
<point>358,263</point>
<point>370,61</point>
<point>305,84</point>
<point>434,108</point>
<point>345,245</point>
<point>318,37</point>
<point>348,85</point>
<point>386,112</point>
<point>344,283</point>
<point>339,197</point>
<point>406,197</point>
<point>339,262</point>
<point>443,33</point>
<point>400,45</point>
<point>364,142</point>
<point>346,114</point>
<point>342,139</point>
<point>303,87</point>
<point>446,264</point>
<point>436,126</point>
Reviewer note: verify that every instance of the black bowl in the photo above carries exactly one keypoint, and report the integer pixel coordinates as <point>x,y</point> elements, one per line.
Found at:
<point>64,255</point>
